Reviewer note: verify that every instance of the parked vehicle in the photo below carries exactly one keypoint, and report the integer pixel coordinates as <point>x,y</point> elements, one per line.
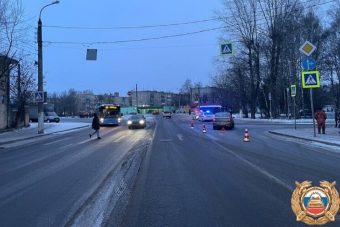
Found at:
<point>223,120</point>
<point>51,117</point>
<point>49,114</point>
<point>84,114</point>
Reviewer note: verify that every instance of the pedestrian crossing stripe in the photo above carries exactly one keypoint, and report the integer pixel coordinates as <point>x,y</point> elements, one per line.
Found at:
<point>310,79</point>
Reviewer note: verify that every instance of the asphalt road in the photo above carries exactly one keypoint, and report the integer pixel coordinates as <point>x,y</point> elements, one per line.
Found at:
<point>50,181</point>
<point>215,179</point>
<point>165,175</point>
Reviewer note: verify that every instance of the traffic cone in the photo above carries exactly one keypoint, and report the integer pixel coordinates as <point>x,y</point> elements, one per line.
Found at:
<point>192,125</point>
<point>204,130</point>
<point>223,129</point>
<point>246,136</point>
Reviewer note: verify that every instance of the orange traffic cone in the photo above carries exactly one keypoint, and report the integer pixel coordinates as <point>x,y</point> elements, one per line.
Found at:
<point>192,125</point>
<point>223,129</point>
<point>204,129</point>
<point>246,136</point>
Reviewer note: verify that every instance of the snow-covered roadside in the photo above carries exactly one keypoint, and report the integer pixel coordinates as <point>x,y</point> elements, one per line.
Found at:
<point>65,126</point>
<point>32,131</point>
<point>56,127</point>
<point>332,136</point>
<point>284,121</point>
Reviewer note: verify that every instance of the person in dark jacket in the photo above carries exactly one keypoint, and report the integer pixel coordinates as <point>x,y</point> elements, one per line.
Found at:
<point>320,117</point>
<point>95,126</point>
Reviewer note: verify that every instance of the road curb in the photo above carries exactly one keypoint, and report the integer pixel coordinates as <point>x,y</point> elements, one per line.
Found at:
<point>302,138</point>
<point>40,135</point>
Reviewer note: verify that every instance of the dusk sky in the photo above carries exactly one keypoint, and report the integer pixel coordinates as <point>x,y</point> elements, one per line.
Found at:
<point>73,26</point>
<point>162,64</point>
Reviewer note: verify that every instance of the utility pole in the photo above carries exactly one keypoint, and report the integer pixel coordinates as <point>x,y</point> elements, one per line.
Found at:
<point>40,71</point>
<point>40,79</point>
<point>136,98</point>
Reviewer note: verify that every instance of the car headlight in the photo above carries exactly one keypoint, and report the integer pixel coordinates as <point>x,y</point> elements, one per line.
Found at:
<point>119,120</point>
<point>101,120</point>
<point>129,122</point>
<point>141,122</point>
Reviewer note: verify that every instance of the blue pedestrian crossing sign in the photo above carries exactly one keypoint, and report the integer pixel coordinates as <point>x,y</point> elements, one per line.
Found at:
<point>39,96</point>
<point>310,79</point>
<point>227,49</point>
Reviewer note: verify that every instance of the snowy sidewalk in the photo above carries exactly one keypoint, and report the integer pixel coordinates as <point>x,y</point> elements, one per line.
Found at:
<point>332,136</point>
<point>32,131</point>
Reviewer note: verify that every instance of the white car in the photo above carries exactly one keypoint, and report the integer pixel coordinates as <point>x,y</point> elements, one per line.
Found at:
<point>166,114</point>
<point>206,116</point>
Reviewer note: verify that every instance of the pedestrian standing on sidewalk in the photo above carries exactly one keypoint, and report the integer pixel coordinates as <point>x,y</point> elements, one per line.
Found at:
<point>95,126</point>
<point>321,117</point>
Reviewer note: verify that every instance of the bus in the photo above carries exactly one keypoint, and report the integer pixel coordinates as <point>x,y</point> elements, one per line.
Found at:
<point>109,114</point>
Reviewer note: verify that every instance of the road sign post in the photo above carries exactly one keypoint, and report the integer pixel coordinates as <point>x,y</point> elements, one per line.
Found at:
<point>293,94</point>
<point>294,113</point>
<point>310,79</point>
<point>288,103</point>
<point>270,104</point>
<point>312,106</point>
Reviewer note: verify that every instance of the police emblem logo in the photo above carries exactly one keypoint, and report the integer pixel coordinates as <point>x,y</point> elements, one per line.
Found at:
<point>315,205</point>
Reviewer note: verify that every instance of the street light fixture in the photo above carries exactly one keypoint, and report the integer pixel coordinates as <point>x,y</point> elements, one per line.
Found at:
<point>40,71</point>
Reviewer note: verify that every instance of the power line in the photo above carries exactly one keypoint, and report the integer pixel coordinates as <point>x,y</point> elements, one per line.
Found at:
<point>163,37</point>
<point>155,26</point>
<point>137,40</point>
<point>132,27</point>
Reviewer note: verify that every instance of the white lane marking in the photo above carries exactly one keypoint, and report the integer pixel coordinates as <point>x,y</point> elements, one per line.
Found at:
<point>66,146</point>
<point>119,139</point>
<point>56,141</point>
<point>180,137</point>
<point>84,141</point>
<point>165,140</point>
<point>211,136</point>
<point>264,172</point>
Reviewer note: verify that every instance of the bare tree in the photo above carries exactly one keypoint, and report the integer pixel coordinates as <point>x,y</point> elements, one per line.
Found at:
<point>10,33</point>
<point>21,89</point>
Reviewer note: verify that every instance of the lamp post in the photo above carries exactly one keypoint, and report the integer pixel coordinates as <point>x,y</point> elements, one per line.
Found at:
<point>40,71</point>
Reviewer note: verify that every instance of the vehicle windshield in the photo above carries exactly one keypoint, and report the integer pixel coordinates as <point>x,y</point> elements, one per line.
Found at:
<point>222,114</point>
<point>136,117</point>
<point>51,114</point>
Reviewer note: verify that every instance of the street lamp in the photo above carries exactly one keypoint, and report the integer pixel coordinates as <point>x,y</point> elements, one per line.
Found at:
<point>40,71</point>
